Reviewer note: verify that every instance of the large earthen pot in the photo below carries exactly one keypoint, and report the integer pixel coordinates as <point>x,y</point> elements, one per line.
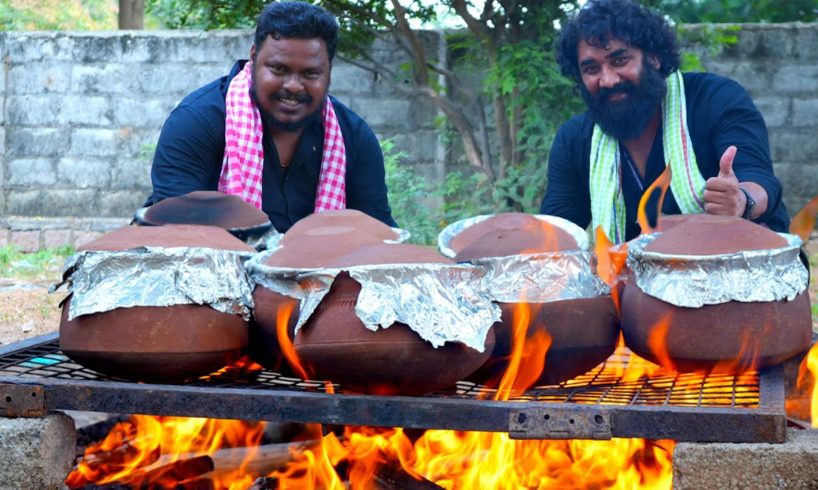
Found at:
<point>311,248</point>
<point>148,343</point>
<point>214,208</point>
<point>335,345</point>
<point>350,218</point>
<point>583,331</point>
<point>729,336</point>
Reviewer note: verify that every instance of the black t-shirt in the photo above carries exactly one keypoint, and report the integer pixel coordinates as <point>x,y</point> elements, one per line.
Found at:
<point>190,151</point>
<point>720,113</point>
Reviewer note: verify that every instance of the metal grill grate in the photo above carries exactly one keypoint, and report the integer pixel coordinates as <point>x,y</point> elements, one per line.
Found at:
<point>747,407</point>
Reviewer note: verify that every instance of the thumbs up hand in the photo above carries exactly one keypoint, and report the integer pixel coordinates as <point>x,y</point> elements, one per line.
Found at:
<point>721,193</point>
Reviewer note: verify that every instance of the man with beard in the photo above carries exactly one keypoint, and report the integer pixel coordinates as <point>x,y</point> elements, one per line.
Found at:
<point>269,131</point>
<point>644,115</point>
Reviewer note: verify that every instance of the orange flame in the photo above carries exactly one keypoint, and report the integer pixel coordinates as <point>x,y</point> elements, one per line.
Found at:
<point>657,342</point>
<point>527,359</point>
<point>282,335</point>
<point>611,262</point>
<point>803,223</point>
<point>807,374</point>
<point>662,183</point>
<point>143,443</point>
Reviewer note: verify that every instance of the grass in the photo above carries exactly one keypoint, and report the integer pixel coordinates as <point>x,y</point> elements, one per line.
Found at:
<point>43,264</point>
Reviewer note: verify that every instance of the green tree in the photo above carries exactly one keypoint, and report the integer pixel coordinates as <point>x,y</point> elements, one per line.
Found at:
<point>738,11</point>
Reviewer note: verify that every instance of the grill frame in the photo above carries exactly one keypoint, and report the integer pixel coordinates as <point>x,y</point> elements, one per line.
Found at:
<point>525,417</point>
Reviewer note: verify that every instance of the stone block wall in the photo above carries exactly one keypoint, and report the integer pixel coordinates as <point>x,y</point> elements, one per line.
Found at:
<point>778,65</point>
<point>82,111</point>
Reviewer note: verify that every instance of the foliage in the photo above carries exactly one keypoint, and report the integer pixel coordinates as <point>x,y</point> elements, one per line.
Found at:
<point>204,14</point>
<point>410,197</point>
<point>14,263</point>
<point>738,11</point>
<point>84,15</point>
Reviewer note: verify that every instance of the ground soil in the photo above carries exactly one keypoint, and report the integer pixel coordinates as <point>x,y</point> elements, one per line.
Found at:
<point>28,310</point>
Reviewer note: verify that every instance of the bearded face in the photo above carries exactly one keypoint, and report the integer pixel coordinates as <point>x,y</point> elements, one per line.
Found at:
<point>624,110</point>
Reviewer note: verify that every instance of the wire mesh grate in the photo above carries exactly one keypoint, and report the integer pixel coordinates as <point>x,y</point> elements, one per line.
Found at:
<point>613,382</point>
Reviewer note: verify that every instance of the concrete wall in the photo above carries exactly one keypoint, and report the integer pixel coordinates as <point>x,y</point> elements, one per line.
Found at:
<point>778,65</point>
<point>81,111</point>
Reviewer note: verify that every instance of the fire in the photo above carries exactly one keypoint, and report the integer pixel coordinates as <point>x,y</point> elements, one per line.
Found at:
<point>803,223</point>
<point>159,452</point>
<point>662,183</point>
<point>807,374</point>
<point>657,341</point>
<point>527,356</point>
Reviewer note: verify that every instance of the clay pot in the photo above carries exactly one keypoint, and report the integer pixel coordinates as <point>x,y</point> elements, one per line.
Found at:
<point>334,344</point>
<point>731,336</point>
<point>583,333</point>
<point>350,218</point>
<point>705,234</point>
<point>312,248</point>
<point>510,234</point>
<point>148,343</point>
<point>735,335</point>
<point>214,208</point>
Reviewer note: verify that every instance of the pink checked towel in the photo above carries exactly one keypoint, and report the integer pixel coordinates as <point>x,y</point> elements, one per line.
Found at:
<point>244,152</point>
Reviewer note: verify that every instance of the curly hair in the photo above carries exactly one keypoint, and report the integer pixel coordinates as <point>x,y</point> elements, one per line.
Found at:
<point>600,20</point>
<point>297,20</point>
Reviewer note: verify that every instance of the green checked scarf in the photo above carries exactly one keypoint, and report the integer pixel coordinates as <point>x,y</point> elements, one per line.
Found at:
<point>687,183</point>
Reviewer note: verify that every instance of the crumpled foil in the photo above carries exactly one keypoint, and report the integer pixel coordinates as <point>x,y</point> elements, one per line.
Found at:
<point>542,278</point>
<point>453,229</point>
<point>440,302</point>
<point>155,276</point>
<point>696,280</point>
<point>539,277</point>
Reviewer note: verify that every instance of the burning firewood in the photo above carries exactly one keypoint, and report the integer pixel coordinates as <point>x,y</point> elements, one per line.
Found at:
<point>394,477</point>
<point>167,475</point>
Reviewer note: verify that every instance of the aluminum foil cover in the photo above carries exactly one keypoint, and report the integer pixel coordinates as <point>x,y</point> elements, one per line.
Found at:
<point>156,276</point>
<point>696,280</point>
<point>542,278</point>
<point>535,278</point>
<point>452,230</point>
<point>441,303</point>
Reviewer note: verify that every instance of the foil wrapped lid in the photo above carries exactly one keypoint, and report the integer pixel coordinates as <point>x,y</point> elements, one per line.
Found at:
<point>159,266</point>
<point>450,240</point>
<point>705,279</point>
<point>536,277</point>
<point>440,301</point>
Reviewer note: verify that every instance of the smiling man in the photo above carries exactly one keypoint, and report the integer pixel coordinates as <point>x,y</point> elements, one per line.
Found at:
<point>270,132</point>
<point>643,115</point>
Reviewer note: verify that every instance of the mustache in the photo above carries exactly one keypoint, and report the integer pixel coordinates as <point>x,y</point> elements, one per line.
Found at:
<point>624,87</point>
<point>303,98</point>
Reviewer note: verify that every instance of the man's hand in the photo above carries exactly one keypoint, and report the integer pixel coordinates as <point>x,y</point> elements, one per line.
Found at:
<point>721,194</point>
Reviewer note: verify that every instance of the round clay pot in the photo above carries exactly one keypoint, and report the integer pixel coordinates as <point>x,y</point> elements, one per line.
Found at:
<point>148,343</point>
<point>214,208</point>
<point>351,218</point>
<point>335,345</point>
<point>583,333</point>
<point>501,221</point>
<point>733,334</point>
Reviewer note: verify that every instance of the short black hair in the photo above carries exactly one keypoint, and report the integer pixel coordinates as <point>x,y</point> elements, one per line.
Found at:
<point>298,20</point>
<point>600,20</point>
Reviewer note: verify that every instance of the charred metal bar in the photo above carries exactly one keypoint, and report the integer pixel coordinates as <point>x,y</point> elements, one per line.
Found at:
<point>598,405</point>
